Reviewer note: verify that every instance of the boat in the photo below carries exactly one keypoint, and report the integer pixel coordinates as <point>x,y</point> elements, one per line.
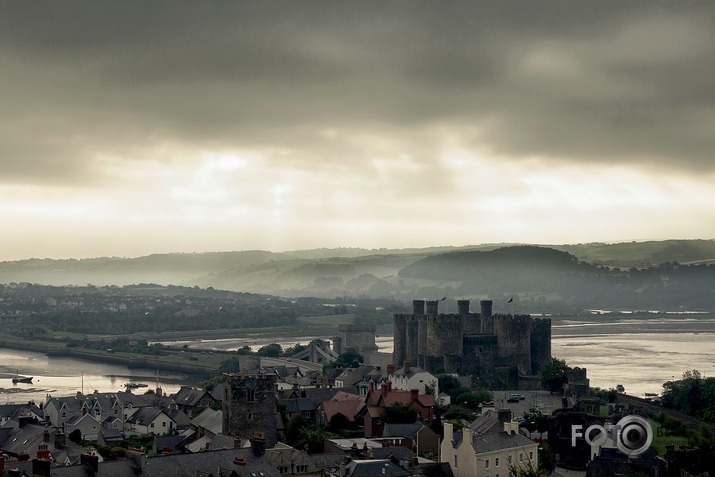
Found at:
<point>22,379</point>
<point>135,385</point>
<point>620,389</point>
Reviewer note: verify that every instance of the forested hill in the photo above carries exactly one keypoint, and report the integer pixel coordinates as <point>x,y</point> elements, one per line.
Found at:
<point>669,274</point>
<point>502,262</point>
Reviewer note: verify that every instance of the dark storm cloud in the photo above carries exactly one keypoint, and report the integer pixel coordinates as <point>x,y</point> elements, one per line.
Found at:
<point>597,81</point>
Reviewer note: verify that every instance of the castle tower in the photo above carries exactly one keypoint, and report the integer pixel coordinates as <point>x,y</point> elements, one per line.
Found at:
<point>399,349</point>
<point>360,337</point>
<point>250,406</point>
<point>514,339</point>
<point>540,343</point>
<point>487,319</point>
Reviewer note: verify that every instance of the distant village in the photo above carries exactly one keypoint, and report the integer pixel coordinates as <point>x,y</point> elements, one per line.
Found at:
<point>343,409</point>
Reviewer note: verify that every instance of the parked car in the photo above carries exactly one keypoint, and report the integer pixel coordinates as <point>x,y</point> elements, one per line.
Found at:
<point>512,399</point>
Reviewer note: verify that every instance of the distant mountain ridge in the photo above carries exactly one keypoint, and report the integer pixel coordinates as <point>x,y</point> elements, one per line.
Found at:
<point>548,273</point>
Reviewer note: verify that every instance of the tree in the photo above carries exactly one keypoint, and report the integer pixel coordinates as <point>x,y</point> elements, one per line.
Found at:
<point>75,436</point>
<point>231,365</point>
<point>272,350</point>
<point>553,375</point>
<point>348,359</point>
<point>526,470</point>
<point>339,422</point>
<point>295,425</point>
<point>398,413</point>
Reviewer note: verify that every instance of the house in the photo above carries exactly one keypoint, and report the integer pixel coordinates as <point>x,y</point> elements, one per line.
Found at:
<point>149,421</point>
<point>9,411</point>
<point>192,400</point>
<point>421,439</point>
<point>306,407</point>
<point>289,461</point>
<point>409,377</point>
<point>327,410</point>
<point>87,424</point>
<point>100,406</point>
<point>378,399</point>
<point>488,446</point>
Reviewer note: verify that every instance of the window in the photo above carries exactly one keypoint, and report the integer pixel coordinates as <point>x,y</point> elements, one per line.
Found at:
<point>249,416</point>
<point>521,456</point>
<point>509,458</point>
<point>496,462</point>
<point>163,424</point>
<point>486,464</point>
<point>151,425</point>
<point>283,469</point>
<point>455,461</point>
<point>531,455</point>
<point>250,395</point>
<point>301,469</point>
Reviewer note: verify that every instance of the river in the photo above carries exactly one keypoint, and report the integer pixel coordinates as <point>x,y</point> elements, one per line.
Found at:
<point>640,353</point>
<point>65,376</point>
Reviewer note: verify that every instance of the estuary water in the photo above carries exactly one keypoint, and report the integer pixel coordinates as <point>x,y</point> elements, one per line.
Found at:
<point>66,376</point>
<point>639,353</point>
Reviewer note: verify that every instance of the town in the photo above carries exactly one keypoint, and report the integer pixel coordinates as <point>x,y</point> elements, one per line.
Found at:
<point>463,394</point>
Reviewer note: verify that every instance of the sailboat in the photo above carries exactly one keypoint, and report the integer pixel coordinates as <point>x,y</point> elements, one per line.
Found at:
<point>21,379</point>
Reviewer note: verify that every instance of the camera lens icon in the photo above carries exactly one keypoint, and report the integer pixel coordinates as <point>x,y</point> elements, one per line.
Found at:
<point>634,435</point>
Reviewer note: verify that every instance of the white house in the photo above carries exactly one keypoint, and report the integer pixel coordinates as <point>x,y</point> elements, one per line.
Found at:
<point>147,421</point>
<point>487,447</point>
<point>411,377</point>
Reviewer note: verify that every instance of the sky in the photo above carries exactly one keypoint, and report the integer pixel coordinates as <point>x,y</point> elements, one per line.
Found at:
<point>130,128</point>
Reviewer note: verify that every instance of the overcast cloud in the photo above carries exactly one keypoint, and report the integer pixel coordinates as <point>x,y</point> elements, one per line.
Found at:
<point>336,123</point>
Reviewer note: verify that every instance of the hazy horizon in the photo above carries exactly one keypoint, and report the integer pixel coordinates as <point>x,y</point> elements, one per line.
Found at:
<point>131,129</point>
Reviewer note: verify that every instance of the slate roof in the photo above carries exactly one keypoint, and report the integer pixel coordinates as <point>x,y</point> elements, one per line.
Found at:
<point>210,420</point>
<point>375,467</point>
<point>402,430</point>
<point>397,452</point>
<point>175,465</point>
<point>187,396</point>
<point>498,441</point>
<point>486,423</point>
<point>24,439</point>
<point>218,391</point>
<point>144,416</point>
<point>300,405</point>
<point>206,443</point>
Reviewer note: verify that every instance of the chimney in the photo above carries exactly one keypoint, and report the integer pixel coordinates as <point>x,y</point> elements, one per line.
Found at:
<point>91,460</point>
<point>46,435</point>
<point>60,439</point>
<point>42,451</point>
<point>372,386</point>
<point>390,369</point>
<point>418,307</point>
<point>41,467</point>
<point>432,307</point>
<point>137,456</point>
<point>406,367</point>
<point>504,415</point>
<point>463,307</point>
<point>258,443</point>
<point>384,389</point>
<point>414,394</point>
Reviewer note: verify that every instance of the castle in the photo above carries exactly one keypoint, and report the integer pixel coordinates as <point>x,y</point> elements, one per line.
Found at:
<point>505,349</point>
